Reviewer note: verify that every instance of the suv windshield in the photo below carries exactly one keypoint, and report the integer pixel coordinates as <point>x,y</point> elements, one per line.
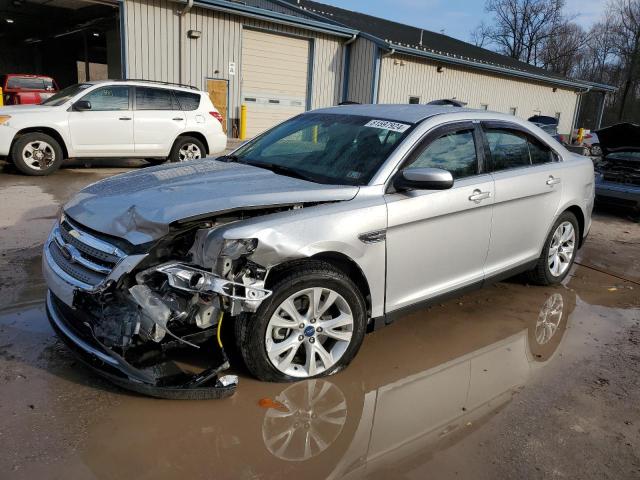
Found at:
<point>326,148</point>
<point>65,94</point>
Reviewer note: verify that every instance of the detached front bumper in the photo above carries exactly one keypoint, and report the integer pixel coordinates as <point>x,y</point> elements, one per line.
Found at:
<point>76,333</point>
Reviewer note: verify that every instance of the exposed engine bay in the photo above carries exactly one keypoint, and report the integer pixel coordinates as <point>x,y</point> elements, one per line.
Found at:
<point>166,312</point>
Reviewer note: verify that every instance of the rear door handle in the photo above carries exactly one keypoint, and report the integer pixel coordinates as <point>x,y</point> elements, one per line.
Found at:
<point>124,118</point>
<point>477,196</point>
<point>178,119</point>
<point>552,180</point>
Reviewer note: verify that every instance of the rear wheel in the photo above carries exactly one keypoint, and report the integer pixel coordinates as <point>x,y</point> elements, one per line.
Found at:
<point>36,154</point>
<point>187,148</point>
<point>558,253</point>
<point>312,326</point>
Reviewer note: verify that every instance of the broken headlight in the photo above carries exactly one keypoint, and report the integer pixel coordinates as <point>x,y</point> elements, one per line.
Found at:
<point>237,248</point>
<point>191,279</point>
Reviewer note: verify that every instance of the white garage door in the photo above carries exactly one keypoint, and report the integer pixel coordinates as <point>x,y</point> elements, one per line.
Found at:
<point>274,78</point>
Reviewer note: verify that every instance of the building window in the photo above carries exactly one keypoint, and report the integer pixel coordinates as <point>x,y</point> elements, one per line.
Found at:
<point>414,100</point>
<point>484,106</point>
<point>513,111</point>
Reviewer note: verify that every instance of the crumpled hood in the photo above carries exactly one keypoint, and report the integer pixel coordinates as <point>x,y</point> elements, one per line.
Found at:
<point>619,138</point>
<point>139,206</point>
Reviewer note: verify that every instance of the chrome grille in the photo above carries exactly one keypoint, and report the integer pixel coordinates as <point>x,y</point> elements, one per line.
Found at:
<point>80,256</point>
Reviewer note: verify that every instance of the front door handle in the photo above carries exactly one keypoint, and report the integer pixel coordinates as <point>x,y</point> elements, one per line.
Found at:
<point>552,180</point>
<point>478,195</point>
<point>178,119</point>
<point>124,118</point>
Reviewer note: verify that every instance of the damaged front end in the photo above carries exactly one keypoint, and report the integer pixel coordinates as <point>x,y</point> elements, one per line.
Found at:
<point>150,318</point>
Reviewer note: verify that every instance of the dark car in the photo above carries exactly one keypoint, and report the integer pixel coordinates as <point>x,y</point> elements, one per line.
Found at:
<point>618,171</point>
<point>24,89</point>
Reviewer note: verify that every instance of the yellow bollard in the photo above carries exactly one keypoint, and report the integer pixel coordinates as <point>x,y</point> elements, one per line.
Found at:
<point>243,122</point>
<point>580,135</point>
<point>1,97</point>
<point>315,134</point>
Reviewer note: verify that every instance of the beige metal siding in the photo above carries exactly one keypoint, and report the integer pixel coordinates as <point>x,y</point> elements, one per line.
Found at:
<point>404,76</point>
<point>274,78</point>
<point>152,49</point>
<point>361,71</point>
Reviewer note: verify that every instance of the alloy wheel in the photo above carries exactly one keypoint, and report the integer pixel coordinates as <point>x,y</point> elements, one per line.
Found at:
<point>561,249</point>
<point>38,155</point>
<point>309,332</point>
<point>189,151</point>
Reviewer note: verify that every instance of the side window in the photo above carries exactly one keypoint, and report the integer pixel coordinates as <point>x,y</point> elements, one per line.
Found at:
<point>509,148</point>
<point>187,101</point>
<point>154,99</point>
<point>453,151</point>
<point>539,153</point>
<point>109,98</point>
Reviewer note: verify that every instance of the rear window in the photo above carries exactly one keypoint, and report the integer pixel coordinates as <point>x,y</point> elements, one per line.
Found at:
<point>187,100</point>
<point>154,99</point>
<point>30,83</point>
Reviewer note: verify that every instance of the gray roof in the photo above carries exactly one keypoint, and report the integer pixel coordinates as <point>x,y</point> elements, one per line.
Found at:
<point>400,112</point>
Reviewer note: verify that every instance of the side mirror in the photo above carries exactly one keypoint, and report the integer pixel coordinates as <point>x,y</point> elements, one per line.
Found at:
<point>82,105</point>
<point>423,179</point>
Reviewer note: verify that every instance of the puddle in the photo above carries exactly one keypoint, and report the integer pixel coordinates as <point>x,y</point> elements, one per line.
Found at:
<point>416,390</point>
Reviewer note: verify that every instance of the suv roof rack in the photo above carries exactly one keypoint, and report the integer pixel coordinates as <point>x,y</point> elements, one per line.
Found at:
<point>156,81</point>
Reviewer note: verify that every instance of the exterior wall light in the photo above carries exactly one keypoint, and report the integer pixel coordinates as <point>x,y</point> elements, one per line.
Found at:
<point>194,33</point>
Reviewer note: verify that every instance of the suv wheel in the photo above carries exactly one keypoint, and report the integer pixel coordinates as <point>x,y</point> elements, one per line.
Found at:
<point>187,148</point>
<point>558,253</point>
<point>36,154</point>
<point>312,326</point>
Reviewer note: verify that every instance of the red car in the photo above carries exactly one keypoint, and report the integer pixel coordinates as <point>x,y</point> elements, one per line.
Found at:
<point>21,89</point>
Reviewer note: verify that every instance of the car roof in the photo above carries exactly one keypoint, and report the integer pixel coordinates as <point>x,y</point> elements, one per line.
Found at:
<point>401,112</point>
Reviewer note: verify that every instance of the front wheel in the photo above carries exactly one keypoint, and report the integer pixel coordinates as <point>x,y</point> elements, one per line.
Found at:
<point>312,326</point>
<point>558,253</point>
<point>36,154</point>
<point>187,148</point>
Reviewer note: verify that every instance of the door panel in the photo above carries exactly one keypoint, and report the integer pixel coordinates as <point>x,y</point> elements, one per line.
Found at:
<point>218,93</point>
<point>437,241</point>
<point>107,129</point>
<point>159,120</point>
<point>525,206</point>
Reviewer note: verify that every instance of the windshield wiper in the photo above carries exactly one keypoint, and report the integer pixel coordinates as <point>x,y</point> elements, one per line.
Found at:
<point>283,170</point>
<point>227,158</point>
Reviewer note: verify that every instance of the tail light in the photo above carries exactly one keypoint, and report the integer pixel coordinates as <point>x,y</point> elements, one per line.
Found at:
<point>217,116</point>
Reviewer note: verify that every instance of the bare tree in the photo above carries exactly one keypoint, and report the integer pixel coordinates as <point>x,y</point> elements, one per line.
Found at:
<point>626,40</point>
<point>520,27</point>
<point>562,53</point>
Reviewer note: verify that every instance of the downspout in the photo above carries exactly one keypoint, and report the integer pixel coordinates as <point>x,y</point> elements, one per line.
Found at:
<point>346,66</point>
<point>577,110</point>
<point>376,74</point>
<point>181,43</point>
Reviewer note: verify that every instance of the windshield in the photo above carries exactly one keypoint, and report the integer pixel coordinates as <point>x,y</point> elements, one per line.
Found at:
<point>66,94</point>
<point>326,148</point>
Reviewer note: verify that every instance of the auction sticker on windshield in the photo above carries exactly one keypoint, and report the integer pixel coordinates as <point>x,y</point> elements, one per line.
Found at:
<point>387,125</point>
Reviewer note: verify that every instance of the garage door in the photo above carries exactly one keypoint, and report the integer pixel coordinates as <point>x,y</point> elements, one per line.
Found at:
<point>274,78</point>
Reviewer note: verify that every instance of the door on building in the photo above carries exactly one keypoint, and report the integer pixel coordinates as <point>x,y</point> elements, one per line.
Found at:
<point>219,94</point>
<point>275,72</point>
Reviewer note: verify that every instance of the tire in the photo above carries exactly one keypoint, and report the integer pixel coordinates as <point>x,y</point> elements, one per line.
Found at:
<point>595,150</point>
<point>256,334</point>
<point>187,148</point>
<point>156,161</point>
<point>546,271</point>
<point>36,154</point>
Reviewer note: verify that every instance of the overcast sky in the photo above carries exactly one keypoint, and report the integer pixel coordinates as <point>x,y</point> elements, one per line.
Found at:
<point>456,17</point>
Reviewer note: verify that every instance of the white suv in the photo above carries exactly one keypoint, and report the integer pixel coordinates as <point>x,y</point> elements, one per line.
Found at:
<point>111,118</point>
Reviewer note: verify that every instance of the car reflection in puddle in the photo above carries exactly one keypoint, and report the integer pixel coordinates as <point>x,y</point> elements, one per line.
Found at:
<point>411,414</point>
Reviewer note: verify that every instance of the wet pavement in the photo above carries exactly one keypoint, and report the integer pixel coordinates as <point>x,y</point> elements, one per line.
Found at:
<point>512,381</point>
